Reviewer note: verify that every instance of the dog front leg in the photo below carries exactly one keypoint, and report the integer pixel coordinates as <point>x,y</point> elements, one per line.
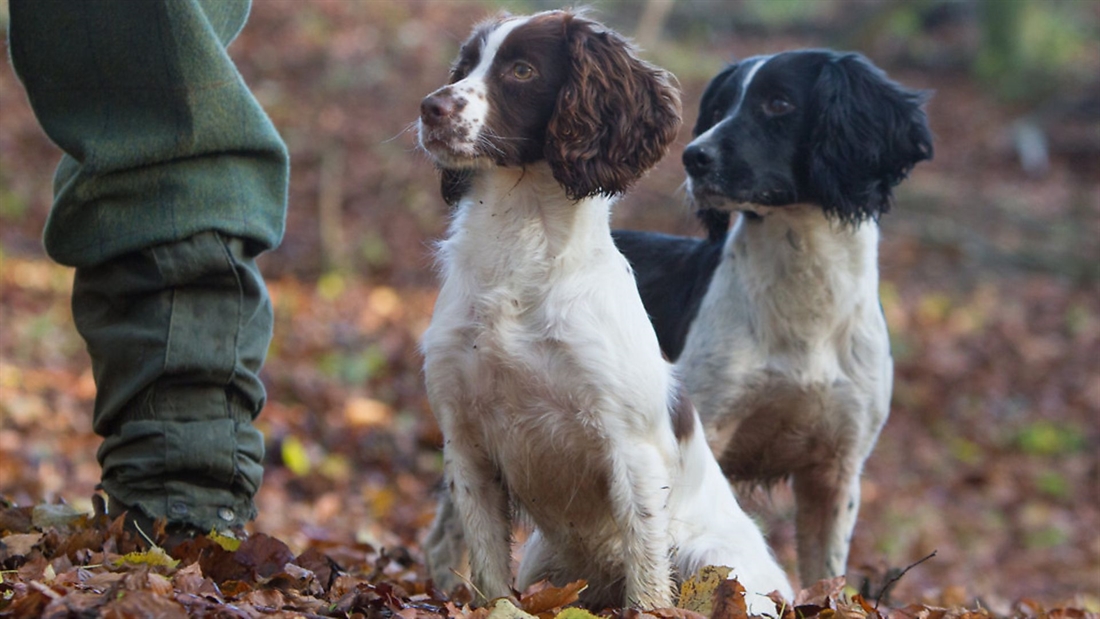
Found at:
<point>639,494</point>
<point>482,502</point>
<point>826,505</point>
<point>445,544</point>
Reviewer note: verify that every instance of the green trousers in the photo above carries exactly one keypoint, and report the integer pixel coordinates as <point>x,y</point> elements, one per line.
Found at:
<point>172,181</point>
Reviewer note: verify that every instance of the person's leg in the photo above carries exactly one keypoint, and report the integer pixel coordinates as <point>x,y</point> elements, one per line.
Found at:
<point>173,180</point>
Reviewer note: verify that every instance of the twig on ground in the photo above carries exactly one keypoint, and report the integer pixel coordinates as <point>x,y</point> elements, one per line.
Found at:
<point>893,581</point>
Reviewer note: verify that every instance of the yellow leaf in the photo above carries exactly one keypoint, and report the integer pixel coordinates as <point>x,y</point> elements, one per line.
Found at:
<point>697,593</point>
<point>227,542</point>
<point>575,613</point>
<point>295,457</point>
<point>155,556</point>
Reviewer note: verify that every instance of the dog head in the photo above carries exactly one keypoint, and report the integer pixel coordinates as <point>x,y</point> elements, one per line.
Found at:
<point>553,87</point>
<point>811,126</point>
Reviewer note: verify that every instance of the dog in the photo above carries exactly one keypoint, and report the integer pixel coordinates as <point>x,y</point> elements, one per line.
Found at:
<point>776,326</point>
<point>541,365</point>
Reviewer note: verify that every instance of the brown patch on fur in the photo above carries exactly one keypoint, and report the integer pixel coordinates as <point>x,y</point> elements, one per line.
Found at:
<point>789,430</point>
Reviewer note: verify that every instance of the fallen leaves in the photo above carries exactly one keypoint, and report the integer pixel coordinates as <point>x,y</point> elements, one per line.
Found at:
<point>86,566</point>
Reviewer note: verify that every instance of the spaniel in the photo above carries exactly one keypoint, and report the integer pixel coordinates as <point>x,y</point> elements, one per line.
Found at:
<point>776,325</point>
<point>541,365</point>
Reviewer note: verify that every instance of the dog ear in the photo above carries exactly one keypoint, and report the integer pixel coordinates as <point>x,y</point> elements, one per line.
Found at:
<point>615,118</point>
<point>869,134</point>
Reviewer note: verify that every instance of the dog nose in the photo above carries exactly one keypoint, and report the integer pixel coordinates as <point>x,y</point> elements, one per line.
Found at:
<point>434,109</point>
<point>698,159</point>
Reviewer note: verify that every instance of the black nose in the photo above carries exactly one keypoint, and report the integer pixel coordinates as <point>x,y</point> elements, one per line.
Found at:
<point>434,109</point>
<point>699,159</point>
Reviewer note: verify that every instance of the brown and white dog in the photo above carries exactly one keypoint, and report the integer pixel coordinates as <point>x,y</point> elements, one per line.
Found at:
<point>541,365</point>
<point>775,325</point>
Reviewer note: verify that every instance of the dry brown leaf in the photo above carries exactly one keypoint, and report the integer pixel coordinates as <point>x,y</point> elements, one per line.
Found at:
<point>190,579</point>
<point>75,604</point>
<point>30,604</point>
<point>263,554</point>
<point>321,565</point>
<point>265,598</point>
<point>137,604</point>
<point>18,545</point>
<point>102,581</point>
<point>16,519</point>
<point>541,599</point>
<point>821,593</point>
<point>729,601</point>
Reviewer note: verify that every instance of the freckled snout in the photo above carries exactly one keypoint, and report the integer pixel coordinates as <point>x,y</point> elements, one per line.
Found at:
<point>440,107</point>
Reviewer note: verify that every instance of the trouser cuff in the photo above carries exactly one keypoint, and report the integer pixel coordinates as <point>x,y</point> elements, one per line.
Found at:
<point>198,473</point>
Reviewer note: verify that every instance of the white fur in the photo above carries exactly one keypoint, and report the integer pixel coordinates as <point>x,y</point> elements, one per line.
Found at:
<point>792,315</point>
<point>551,391</point>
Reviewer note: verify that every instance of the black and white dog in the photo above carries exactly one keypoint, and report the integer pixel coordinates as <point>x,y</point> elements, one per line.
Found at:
<point>776,326</point>
<point>541,365</point>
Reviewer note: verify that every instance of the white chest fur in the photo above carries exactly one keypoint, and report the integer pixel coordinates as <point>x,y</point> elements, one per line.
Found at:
<point>792,312</point>
<point>539,347</point>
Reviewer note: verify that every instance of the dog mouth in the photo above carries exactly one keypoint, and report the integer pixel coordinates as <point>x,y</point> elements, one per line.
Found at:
<point>708,194</point>
<point>450,147</point>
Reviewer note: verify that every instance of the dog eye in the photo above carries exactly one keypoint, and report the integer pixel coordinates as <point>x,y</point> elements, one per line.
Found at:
<point>778,106</point>
<point>523,71</point>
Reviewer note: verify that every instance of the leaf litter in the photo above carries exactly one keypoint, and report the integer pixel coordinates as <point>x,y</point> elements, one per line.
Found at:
<point>89,566</point>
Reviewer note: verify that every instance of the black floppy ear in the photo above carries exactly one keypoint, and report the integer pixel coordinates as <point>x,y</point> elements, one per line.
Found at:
<point>869,134</point>
<point>615,118</point>
<point>454,184</point>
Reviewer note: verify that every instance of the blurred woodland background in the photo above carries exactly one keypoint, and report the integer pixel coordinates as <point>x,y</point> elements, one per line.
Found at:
<point>990,272</point>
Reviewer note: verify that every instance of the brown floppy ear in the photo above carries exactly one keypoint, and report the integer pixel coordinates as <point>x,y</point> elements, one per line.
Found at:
<point>616,115</point>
